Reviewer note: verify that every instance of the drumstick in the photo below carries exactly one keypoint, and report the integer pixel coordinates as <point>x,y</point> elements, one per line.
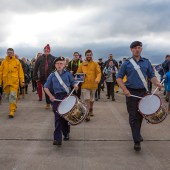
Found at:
<point>136,96</point>
<point>58,100</point>
<point>72,91</point>
<point>157,88</point>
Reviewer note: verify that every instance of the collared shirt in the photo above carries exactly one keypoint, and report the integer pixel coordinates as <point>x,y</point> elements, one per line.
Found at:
<point>54,85</point>
<point>133,79</point>
<point>167,81</point>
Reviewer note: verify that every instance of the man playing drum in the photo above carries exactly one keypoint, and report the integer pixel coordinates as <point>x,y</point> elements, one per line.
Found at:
<point>135,86</point>
<point>54,89</point>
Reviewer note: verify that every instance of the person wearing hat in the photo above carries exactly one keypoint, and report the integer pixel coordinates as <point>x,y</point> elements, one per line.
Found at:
<point>55,90</point>
<point>135,86</point>
<point>43,67</point>
<point>11,76</point>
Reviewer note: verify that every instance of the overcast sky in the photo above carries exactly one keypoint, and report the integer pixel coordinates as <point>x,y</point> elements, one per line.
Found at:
<point>105,26</point>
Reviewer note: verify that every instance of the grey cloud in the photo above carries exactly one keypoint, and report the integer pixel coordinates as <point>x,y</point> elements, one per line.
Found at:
<point>109,30</point>
<point>43,5</point>
<point>99,50</point>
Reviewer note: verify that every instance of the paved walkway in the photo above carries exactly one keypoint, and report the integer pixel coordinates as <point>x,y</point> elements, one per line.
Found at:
<point>104,143</point>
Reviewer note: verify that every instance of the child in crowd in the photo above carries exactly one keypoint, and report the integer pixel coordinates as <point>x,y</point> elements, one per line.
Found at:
<point>55,90</point>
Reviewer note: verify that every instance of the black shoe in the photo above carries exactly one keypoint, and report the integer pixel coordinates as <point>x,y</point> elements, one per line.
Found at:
<point>87,119</point>
<point>58,143</point>
<point>96,99</point>
<point>137,147</point>
<point>11,116</point>
<point>167,99</point>
<point>141,138</point>
<point>66,137</point>
<point>108,97</point>
<point>113,99</point>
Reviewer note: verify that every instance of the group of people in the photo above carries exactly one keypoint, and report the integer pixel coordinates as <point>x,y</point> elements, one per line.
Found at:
<point>58,78</point>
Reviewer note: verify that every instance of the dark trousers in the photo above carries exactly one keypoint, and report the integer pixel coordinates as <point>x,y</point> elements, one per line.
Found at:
<point>1,90</point>
<point>61,125</point>
<point>78,92</point>
<point>97,93</point>
<point>149,86</point>
<point>110,89</point>
<point>34,85</point>
<point>135,118</point>
<point>1,93</point>
<point>46,96</point>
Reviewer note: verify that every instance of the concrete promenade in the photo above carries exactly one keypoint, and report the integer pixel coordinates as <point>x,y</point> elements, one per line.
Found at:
<point>104,143</point>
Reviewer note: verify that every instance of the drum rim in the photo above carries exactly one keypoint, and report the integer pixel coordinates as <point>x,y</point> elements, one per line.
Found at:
<point>152,113</point>
<point>61,102</point>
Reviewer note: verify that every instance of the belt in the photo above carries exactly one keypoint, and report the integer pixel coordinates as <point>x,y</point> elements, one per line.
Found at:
<point>139,90</point>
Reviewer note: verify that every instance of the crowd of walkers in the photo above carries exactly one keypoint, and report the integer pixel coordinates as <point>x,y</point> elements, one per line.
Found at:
<point>57,77</point>
<point>38,69</point>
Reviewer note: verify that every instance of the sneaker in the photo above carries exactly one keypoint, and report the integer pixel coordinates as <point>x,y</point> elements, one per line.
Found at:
<point>137,147</point>
<point>58,143</point>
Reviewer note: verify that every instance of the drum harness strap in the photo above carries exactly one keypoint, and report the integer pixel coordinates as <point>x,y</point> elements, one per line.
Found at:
<point>61,81</point>
<point>137,68</point>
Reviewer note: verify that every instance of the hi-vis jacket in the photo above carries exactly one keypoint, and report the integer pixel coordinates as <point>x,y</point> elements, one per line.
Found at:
<point>11,73</point>
<point>92,73</point>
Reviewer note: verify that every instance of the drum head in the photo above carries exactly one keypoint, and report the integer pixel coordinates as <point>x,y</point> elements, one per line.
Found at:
<point>149,104</point>
<point>66,105</point>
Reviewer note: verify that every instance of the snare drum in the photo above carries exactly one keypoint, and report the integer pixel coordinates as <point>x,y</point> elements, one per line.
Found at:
<point>72,110</point>
<point>152,109</point>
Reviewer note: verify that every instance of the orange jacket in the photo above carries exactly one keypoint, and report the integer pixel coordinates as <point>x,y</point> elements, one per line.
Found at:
<point>92,73</point>
<point>11,73</point>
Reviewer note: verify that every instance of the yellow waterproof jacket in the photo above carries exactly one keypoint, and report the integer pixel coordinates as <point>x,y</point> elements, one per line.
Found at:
<point>11,73</point>
<point>92,72</point>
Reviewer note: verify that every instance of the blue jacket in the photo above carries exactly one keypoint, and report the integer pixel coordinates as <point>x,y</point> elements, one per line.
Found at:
<point>54,85</point>
<point>133,79</point>
<point>167,81</point>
